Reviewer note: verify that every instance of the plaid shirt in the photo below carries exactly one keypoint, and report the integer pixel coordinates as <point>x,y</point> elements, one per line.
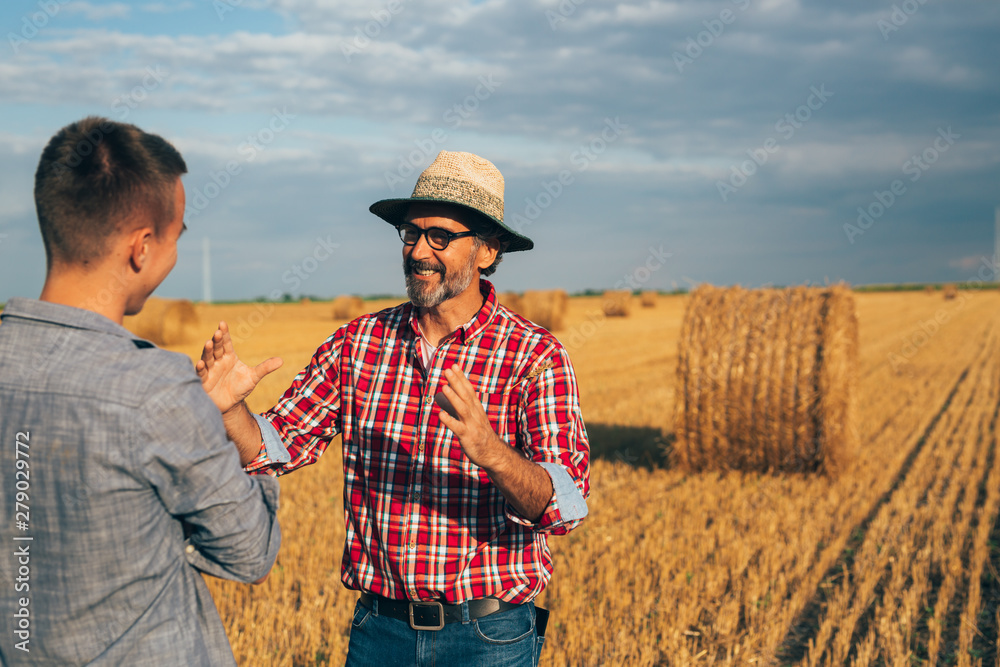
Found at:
<point>424,522</point>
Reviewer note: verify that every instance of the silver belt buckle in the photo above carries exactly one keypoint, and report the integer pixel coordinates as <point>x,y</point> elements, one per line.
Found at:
<point>433,603</point>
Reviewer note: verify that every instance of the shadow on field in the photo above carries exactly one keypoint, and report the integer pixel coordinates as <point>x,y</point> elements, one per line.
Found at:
<point>637,446</point>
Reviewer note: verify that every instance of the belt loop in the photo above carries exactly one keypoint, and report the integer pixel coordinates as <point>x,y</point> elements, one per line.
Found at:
<point>465,613</point>
<point>375,605</point>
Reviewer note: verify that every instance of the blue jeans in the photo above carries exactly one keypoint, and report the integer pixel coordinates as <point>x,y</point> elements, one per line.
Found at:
<point>504,638</point>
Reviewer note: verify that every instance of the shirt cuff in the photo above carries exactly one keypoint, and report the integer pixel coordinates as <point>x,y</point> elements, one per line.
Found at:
<point>272,451</point>
<point>269,493</point>
<point>566,506</point>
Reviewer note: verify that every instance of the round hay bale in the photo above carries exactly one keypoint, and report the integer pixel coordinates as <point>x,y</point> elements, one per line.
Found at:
<point>929,289</point>
<point>165,321</point>
<point>766,380</point>
<point>617,303</point>
<point>950,292</point>
<point>648,299</point>
<point>348,307</point>
<point>511,301</point>
<point>546,308</point>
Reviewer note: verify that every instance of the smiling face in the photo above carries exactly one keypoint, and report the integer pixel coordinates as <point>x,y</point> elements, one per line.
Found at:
<point>435,276</point>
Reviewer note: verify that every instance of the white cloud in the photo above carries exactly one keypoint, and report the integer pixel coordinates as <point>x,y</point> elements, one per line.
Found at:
<point>165,8</point>
<point>92,12</point>
<point>920,63</point>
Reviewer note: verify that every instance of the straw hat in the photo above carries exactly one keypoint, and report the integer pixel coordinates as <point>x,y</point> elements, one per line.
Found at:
<point>463,179</point>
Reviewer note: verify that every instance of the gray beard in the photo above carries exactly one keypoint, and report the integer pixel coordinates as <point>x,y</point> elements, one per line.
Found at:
<point>450,286</point>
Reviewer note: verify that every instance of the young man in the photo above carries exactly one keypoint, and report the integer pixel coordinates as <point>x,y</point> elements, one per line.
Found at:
<point>111,452</point>
<point>464,446</point>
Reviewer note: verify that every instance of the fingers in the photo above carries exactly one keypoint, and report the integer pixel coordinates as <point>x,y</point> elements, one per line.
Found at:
<point>219,341</point>
<point>213,349</point>
<point>207,355</point>
<point>227,340</point>
<point>267,367</point>
<point>460,384</point>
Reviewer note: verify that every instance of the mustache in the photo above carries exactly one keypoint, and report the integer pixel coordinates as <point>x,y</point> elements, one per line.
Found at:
<point>411,266</point>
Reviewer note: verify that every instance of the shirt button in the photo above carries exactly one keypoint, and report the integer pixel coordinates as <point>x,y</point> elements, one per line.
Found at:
<point>429,400</point>
<point>420,448</point>
<point>189,548</point>
<point>413,545</point>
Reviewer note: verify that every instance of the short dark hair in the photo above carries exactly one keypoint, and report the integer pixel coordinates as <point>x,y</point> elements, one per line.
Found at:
<point>93,176</point>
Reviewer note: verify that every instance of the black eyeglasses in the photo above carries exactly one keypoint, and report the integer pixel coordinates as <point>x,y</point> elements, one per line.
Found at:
<point>437,238</point>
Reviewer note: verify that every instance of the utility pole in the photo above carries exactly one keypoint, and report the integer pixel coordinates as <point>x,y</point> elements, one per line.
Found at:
<point>206,271</point>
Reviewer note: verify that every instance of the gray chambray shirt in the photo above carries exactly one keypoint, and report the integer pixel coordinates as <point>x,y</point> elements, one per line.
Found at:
<point>110,451</point>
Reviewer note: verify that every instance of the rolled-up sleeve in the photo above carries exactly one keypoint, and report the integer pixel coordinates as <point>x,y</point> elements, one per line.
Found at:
<point>297,430</point>
<point>552,433</point>
<point>186,457</point>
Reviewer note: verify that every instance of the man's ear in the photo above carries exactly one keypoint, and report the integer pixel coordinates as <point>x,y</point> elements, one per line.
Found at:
<point>138,247</point>
<point>488,252</point>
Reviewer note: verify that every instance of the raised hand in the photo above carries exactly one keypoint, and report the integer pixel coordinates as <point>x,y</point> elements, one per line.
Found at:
<point>225,378</point>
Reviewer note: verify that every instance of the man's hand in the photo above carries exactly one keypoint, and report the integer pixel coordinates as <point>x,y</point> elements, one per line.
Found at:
<point>525,484</point>
<point>225,378</point>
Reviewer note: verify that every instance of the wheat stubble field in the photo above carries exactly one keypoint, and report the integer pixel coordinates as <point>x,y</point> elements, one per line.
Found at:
<point>892,563</point>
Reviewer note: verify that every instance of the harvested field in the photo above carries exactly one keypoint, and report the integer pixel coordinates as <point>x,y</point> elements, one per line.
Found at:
<point>165,322</point>
<point>894,562</point>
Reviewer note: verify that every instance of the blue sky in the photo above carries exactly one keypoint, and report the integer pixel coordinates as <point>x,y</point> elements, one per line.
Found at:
<point>740,137</point>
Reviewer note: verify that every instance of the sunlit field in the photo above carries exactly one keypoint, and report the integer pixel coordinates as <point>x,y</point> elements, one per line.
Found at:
<point>892,563</point>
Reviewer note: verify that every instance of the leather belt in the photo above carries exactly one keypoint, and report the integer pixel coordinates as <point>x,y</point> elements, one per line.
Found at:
<point>433,615</point>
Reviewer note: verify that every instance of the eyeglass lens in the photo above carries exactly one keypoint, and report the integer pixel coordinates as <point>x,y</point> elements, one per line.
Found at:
<point>437,238</point>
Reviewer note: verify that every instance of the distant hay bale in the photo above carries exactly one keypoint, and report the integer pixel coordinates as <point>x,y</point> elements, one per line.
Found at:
<point>348,307</point>
<point>512,301</point>
<point>546,308</point>
<point>648,299</point>
<point>165,321</point>
<point>950,292</point>
<point>766,380</point>
<point>617,303</point>
<point>929,289</point>
<point>305,301</point>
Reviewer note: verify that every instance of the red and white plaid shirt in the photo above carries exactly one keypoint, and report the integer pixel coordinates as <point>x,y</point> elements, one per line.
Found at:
<point>424,522</point>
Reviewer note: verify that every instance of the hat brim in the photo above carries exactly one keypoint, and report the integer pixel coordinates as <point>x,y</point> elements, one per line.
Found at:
<point>394,211</point>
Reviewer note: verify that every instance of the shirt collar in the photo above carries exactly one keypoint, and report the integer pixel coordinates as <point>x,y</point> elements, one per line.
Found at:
<point>473,327</point>
<point>66,316</point>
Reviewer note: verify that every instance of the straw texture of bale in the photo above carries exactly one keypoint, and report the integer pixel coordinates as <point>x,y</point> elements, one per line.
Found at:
<point>950,292</point>
<point>348,307</point>
<point>512,301</point>
<point>165,321</point>
<point>766,380</point>
<point>546,308</point>
<point>648,299</point>
<point>617,303</point>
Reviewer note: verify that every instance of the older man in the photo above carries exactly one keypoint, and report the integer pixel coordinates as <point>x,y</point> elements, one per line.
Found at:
<point>463,441</point>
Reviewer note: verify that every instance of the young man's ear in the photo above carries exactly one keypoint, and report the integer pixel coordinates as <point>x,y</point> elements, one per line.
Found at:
<point>138,246</point>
